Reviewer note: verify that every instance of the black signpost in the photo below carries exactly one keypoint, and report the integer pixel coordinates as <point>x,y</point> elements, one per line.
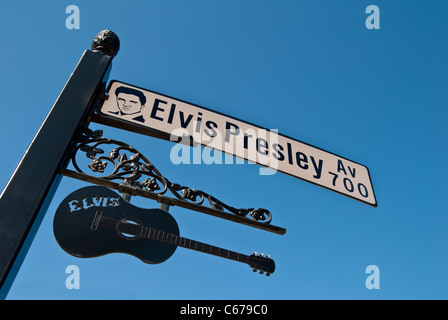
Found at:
<point>30,189</point>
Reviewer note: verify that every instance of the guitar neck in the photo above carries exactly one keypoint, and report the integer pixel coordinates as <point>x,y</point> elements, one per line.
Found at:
<point>166,237</point>
<point>194,245</point>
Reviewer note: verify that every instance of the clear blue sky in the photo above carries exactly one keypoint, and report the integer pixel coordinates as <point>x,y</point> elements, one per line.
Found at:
<point>310,69</point>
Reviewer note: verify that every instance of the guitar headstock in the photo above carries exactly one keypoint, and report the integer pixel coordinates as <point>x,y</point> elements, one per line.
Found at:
<point>262,263</point>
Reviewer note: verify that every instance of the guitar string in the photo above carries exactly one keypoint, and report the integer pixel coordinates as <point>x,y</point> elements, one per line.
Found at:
<point>136,229</point>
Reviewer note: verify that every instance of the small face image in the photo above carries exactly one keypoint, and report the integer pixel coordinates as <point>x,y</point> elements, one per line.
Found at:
<point>128,103</point>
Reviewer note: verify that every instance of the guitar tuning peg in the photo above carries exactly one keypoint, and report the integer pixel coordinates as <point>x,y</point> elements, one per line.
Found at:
<point>261,254</point>
<point>254,270</point>
<point>268,256</point>
<point>261,272</point>
<point>255,253</point>
<point>268,274</point>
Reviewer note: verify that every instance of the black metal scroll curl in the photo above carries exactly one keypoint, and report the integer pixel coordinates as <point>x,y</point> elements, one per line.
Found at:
<point>136,171</point>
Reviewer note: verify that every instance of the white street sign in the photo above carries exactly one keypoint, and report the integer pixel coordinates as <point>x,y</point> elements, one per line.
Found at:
<point>155,114</point>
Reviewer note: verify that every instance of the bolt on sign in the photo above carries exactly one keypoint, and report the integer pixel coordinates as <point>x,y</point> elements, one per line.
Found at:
<point>147,112</point>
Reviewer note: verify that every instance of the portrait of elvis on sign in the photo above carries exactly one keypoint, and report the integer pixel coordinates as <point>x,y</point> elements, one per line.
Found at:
<point>130,103</point>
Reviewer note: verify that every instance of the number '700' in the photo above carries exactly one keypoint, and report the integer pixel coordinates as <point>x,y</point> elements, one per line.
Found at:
<point>349,186</point>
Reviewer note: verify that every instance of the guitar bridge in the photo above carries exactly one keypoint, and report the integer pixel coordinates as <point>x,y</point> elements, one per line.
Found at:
<point>96,220</point>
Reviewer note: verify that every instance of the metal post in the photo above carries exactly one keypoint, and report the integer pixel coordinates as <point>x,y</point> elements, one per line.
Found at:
<point>30,189</point>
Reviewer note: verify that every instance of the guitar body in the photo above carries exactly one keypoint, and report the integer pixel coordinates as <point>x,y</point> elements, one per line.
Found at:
<point>94,221</point>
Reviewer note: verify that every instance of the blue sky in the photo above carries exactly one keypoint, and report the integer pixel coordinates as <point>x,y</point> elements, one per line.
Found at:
<point>310,69</point>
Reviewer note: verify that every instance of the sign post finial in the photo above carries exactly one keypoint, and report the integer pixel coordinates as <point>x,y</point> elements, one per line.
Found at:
<point>106,42</point>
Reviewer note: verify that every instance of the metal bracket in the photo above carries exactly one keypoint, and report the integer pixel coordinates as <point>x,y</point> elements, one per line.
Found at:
<point>138,176</point>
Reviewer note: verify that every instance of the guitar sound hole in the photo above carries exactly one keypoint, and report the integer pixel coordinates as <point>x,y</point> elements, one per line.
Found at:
<point>129,229</point>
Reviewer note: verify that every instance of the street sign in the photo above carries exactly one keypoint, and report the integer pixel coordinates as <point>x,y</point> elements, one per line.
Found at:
<point>147,112</point>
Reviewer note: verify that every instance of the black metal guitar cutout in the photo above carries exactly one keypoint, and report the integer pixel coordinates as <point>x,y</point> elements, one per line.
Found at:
<point>94,221</point>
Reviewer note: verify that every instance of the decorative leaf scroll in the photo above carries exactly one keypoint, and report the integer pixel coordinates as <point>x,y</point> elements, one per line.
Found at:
<point>127,164</point>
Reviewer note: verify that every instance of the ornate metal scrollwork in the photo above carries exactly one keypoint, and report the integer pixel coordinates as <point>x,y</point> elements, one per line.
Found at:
<point>127,164</point>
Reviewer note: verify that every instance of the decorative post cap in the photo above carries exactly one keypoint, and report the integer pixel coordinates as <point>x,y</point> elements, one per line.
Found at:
<point>106,42</point>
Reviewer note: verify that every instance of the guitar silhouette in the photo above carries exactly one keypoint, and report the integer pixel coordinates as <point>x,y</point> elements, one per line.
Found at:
<point>94,221</point>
